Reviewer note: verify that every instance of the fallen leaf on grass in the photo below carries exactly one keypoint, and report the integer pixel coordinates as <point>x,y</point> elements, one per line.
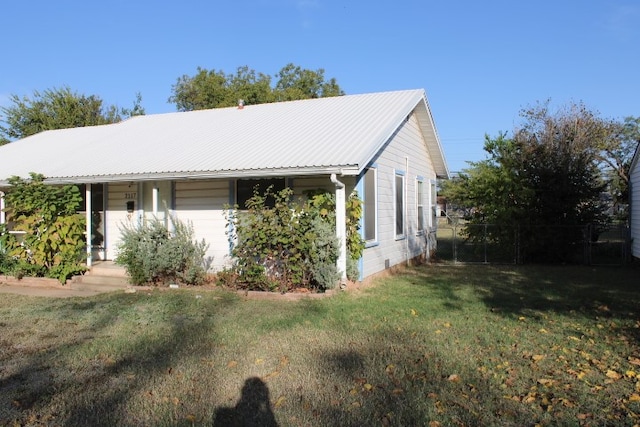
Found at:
<point>634,360</point>
<point>613,375</point>
<point>434,424</point>
<point>271,375</point>
<point>537,357</point>
<point>232,364</point>
<point>454,378</point>
<point>413,312</point>
<point>368,387</point>
<point>281,400</point>
<point>635,397</point>
<point>259,361</point>
<point>546,382</point>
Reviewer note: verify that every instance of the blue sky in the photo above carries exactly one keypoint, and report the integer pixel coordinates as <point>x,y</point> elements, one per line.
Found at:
<point>480,62</point>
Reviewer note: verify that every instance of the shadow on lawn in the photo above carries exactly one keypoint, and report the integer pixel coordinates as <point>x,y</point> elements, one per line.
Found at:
<point>519,290</point>
<point>98,394</point>
<point>410,391</point>
<point>252,410</point>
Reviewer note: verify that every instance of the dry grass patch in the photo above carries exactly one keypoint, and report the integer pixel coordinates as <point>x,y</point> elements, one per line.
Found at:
<point>436,344</point>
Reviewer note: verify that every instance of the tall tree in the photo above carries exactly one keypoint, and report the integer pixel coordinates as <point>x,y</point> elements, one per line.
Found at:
<point>58,109</point>
<point>616,155</point>
<point>544,183</point>
<point>216,89</point>
<point>298,83</point>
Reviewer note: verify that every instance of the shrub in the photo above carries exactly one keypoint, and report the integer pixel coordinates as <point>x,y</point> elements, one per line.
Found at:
<point>53,241</point>
<point>291,244</point>
<point>152,254</point>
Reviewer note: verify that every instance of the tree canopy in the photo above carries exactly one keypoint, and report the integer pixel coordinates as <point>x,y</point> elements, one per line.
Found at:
<point>58,109</point>
<point>216,89</point>
<point>541,185</point>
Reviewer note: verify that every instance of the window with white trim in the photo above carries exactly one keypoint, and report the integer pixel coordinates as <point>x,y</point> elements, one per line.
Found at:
<point>420,204</point>
<point>246,187</point>
<point>399,205</point>
<point>434,204</point>
<point>370,222</point>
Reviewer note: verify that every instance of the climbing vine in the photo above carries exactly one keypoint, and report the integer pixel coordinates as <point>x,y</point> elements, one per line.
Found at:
<point>47,235</point>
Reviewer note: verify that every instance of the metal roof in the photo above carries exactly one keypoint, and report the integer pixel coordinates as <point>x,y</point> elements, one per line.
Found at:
<point>326,135</point>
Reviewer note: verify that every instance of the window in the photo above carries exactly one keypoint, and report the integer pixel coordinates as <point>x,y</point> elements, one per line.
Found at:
<point>370,206</point>
<point>434,204</point>
<point>399,202</point>
<point>420,204</point>
<point>246,187</point>
<point>97,197</point>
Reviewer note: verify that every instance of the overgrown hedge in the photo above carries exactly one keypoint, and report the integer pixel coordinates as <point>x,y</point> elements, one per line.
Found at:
<point>51,241</point>
<point>280,244</point>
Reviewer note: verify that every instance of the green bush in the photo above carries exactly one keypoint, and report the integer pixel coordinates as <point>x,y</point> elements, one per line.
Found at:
<point>291,244</point>
<point>152,254</point>
<point>53,242</point>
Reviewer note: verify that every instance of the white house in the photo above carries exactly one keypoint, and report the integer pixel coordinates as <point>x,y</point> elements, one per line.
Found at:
<point>634,195</point>
<point>190,164</point>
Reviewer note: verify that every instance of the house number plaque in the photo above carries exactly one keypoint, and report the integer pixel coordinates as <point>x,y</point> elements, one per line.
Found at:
<point>130,196</point>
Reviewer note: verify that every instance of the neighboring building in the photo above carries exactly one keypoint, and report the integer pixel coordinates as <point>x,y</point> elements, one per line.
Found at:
<point>384,145</point>
<point>634,196</point>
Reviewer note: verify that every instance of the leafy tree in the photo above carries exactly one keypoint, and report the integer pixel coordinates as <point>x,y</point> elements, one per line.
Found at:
<point>58,109</point>
<point>216,89</point>
<point>297,83</point>
<point>616,154</point>
<point>543,184</point>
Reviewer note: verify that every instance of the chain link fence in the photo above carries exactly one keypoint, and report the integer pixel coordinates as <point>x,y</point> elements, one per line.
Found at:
<point>460,242</point>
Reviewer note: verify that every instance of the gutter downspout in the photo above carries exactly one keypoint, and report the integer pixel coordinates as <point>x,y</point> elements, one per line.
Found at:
<point>341,228</point>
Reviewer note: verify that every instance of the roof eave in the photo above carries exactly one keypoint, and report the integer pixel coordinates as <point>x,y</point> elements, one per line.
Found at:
<point>194,175</point>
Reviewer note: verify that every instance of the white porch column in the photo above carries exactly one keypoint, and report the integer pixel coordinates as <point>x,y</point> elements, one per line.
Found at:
<point>154,200</point>
<point>341,228</point>
<point>89,227</point>
<point>3,218</point>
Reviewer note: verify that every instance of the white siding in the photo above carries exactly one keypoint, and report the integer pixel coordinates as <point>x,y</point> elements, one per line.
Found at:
<point>202,203</point>
<point>635,208</point>
<point>406,147</point>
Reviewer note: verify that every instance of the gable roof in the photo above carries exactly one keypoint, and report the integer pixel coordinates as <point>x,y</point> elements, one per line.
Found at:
<point>327,135</point>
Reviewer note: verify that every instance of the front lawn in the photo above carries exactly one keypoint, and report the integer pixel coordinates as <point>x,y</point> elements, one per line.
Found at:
<point>435,346</point>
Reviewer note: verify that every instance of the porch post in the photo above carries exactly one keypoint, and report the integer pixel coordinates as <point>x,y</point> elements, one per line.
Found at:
<point>88,221</point>
<point>154,199</point>
<point>3,218</point>
<point>341,228</point>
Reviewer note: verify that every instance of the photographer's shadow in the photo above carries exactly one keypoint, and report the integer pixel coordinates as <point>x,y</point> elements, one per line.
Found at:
<point>253,408</point>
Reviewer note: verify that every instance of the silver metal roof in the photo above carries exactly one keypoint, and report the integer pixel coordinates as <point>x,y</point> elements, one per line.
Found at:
<point>326,135</point>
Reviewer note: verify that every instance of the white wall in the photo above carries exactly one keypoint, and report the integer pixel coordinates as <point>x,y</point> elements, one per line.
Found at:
<point>406,143</point>
<point>202,203</point>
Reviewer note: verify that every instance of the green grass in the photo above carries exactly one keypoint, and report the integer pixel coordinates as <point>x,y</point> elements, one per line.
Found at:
<point>435,345</point>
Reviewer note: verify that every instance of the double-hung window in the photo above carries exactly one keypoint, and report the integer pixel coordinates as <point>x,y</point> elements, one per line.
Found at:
<point>370,213</point>
<point>399,204</point>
